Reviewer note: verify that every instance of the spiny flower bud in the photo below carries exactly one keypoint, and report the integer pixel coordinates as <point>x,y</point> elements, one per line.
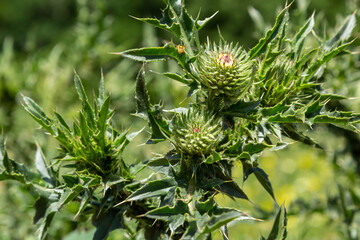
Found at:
<point>225,69</point>
<point>279,82</point>
<point>196,133</point>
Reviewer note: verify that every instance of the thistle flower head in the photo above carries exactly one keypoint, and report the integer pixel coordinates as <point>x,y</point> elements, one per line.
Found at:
<point>225,69</point>
<point>196,133</point>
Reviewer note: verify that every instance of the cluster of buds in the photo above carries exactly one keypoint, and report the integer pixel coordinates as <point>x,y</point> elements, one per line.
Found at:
<point>196,133</point>
<point>225,69</point>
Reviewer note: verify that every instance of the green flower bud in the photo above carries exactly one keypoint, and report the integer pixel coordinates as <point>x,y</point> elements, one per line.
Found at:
<point>196,133</point>
<point>279,83</point>
<point>225,69</point>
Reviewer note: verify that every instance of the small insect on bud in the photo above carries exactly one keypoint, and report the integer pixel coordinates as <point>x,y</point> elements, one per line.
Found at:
<point>180,49</point>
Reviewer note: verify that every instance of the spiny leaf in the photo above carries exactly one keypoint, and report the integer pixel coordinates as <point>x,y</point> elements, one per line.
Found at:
<point>102,94</point>
<point>201,23</point>
<point>177,77</point>
<point>279,231</point>
<point>165,212</point>
<point>106,222</point>
<point>318,63</point>
<point>141,97</point>
<point>290,131</point>
<point>270,35</point>
<point>191,231</point>
<point>153,189</point>
<point>122,142</point>
<point>186,23</point>
<point>343,33</point>
<point>150,113</point>
<point>156,53</point>
<point>66,196</point>
<point>87,109</point>
<point>253,148</point>
<point>9,169</point>
<point>263,178</point>
<point>299,38</point>
<point>63,123</point>
<point>102,119</point>
<point>242,107</point>
<point>38,114</point>
<point>223,217</point>
<point>45,171</point>
<point>165,23</point>
<point>231,189</point>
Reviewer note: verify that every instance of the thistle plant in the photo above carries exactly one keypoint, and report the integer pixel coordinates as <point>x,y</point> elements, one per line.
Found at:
<point>240,104</point>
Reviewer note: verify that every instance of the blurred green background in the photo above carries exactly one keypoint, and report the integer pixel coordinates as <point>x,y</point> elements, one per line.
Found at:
<point>43,42</point>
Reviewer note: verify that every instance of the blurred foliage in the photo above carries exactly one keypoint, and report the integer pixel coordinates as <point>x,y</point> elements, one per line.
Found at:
<point>42,42</point>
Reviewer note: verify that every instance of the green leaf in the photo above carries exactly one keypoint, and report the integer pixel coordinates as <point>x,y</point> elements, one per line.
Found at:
<point>214,157</point>
<point>87,109</point>
<point>314,109</point>
<point>70,180</point>
<point>186,23</point>
<point>159,124</point>
<point>45,171</point>
<point>165,23</point>
<point>300,36</point>
<point>271,111</point>
<point>152,114</point>
<point>40,206</point>
<point>279,231</point>
<point>339,119</point>
<point>38,114</point>
<point>63,123</point>
<point>156,53</point>
<point>231,189</point>
<point>163,165</point>
<point>105,222</point>
<point>166,212</point>
<point>343,33</point>
<point>177,77</point>
<point>85,131</point>
<point>270,35</point>
<point>205,206</point>
<point>65,196</point>
<point>122,141</point>
<point>191,231</point>
<point>142,97</point>
<point>290,131</point>
<point>102,94</point>
<point>102,119</point>
<point>304,59</point>
<point>175,222</point>
<point>263,178</point>
<point>9,169</point>
<point>153,189</point>
<point>332,97</point>
<point>201,23</point>
<point>242,108</point>
<point>253,148</point>
<point>319,62</point>
<point>222,217</point>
